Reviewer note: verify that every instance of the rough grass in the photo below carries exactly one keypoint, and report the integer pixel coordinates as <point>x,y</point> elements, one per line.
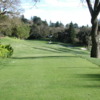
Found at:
<point>42,71</point>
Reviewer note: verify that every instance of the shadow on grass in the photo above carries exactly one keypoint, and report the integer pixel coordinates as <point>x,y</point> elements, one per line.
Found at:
<point>92,80</point>
<point>91,86</point>
<point>46,49</point>
<point>39,57</point>
<point>69,50</point>
<point>63,50</point>
<point>78,67</point>
<point>89,77</point>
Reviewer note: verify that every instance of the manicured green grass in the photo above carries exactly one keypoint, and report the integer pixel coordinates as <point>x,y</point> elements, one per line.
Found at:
<point>42,71</point>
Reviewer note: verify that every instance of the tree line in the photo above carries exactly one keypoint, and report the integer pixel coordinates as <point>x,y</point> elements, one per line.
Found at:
<point>36,28</point>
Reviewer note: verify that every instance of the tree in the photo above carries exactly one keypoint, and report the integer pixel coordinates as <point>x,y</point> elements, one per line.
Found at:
<point>23,19</point>
<point>57,24</point>
<point>75,25</point>
<point>21,31</point>
<point>84,36</point>
<point>37,20</point>
<point>94,9</point>
<point>52,24</point>
<point>9,7</point>
<point>72,33</point>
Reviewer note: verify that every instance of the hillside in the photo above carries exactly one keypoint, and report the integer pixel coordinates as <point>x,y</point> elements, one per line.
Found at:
<point>40,71</point>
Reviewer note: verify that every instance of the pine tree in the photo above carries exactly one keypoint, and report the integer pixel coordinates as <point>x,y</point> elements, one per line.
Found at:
<point>72,33</point>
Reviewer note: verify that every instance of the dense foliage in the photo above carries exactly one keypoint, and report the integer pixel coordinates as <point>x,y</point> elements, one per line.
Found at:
<point>6,51</point>
<point>14,27</point>
<point>36,28</point>
<point>71,33</point>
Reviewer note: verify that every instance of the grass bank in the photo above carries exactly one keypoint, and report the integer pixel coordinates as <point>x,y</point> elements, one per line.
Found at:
<point>41,71</point>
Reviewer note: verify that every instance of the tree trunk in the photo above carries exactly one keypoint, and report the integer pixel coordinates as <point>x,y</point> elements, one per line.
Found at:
<point>95,50</point>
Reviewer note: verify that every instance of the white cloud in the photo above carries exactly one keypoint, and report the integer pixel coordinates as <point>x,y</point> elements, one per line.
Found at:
<point>62,3</point>
<point>59,10</point>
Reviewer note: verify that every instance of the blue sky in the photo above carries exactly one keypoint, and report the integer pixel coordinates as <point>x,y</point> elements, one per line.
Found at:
<point>59,10</point>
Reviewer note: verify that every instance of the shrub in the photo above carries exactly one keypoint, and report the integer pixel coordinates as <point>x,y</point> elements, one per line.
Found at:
<point>21,31</point>
<point>6,51</point>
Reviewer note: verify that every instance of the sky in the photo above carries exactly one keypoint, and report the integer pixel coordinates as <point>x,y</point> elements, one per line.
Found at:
<point>64,11</point>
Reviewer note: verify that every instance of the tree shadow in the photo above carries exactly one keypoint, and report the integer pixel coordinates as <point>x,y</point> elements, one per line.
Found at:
<point>91,86</point>
<point>92,80</point>
<point>78,68</point>
<point>72,50</point>
<point>39,57</point>
<point>68,50</point>
<point>46,49</point>
<point>89,77</point>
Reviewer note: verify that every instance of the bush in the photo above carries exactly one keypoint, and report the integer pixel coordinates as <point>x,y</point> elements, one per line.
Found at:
<point>21,31</point>
<point>6,51</point>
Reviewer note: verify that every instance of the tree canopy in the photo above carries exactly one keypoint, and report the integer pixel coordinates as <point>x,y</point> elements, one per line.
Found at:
<point>9,6</point>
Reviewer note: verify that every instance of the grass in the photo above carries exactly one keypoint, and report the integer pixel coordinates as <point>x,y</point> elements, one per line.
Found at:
<point>42,71</point>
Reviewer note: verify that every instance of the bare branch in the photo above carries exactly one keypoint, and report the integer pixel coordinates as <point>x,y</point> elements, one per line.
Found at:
<point>35,2</point>
<point>2,13</point>
<point>9,6</point>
